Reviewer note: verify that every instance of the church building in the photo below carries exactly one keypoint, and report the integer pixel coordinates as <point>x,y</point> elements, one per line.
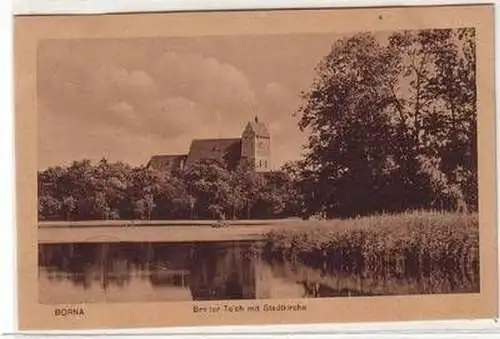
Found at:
<point>253,146</point>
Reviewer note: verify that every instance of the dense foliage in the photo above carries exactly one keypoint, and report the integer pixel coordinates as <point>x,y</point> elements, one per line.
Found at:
<point>207,190</point>
<point>392,125</point>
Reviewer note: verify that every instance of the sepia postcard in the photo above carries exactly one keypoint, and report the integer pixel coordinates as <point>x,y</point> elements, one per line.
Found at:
<point>255,167</point>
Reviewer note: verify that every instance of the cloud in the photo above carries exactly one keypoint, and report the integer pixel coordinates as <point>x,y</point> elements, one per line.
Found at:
<point>91,87</point>
<point>172,117</point>
<point>123,113</point>
<point>77,86</point>
<point>205,80</point>
<point>119,82</point>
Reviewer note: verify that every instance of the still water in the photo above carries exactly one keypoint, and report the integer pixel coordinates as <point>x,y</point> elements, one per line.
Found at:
<point>160,272</point>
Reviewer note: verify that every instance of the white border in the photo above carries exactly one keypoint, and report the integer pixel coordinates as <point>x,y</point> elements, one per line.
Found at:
<point>439,329</point>
<point>106,6</point>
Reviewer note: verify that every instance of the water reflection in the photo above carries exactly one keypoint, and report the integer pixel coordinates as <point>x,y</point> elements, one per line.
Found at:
<point>204,271</point>
<point>158,272</point>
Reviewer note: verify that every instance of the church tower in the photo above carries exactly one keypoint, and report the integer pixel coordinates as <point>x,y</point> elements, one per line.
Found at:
<point>256,145</point>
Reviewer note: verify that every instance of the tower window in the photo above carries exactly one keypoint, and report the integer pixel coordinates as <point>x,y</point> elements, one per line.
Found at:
<point>265,163</point>
<point>260,163</point>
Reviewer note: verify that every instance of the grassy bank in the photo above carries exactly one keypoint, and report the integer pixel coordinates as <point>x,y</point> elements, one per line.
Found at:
<point>435,247</point>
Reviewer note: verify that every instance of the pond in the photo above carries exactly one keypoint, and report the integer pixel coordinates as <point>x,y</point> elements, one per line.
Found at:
<point>162,272</point>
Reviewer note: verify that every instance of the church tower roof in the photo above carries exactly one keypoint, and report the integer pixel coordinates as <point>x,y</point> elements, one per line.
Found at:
<point>258,128</point>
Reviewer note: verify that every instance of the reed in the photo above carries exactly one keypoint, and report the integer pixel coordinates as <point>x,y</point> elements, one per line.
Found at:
<point>413,245</point>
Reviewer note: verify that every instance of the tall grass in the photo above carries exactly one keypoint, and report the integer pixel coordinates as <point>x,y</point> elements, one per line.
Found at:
<point>435,248</point>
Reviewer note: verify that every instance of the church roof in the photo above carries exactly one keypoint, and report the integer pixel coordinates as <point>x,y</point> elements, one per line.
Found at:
<point>225,150</point>
<point>258,127</point>
<point>166,162</point>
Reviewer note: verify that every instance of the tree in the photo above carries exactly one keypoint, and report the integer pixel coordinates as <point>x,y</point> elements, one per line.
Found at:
<point>377,110</point>
<point>114,180</point>
<point>302,201</point>
<point>208,183</point>
<point>68,207</point>
<point>246,184</point>
<point>346,110</point>
<point>277,197</point>
<point>172,199</point>
<point>139,209</point>
<point>441,107</point>
<point>144,187</point>
<point>49,208</point>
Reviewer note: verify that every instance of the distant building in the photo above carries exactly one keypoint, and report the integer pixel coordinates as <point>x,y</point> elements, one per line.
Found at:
<point>253,146</point>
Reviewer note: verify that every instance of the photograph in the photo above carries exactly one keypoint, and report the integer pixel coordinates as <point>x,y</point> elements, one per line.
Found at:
<point>262,170</point>
<point>356,177</point>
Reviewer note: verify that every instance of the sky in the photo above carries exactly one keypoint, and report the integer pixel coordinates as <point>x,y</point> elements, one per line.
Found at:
<point>129,99</point>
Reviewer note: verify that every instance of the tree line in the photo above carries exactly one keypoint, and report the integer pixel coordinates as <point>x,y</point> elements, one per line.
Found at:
<point>391,125</point>
<point>205,190</point>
